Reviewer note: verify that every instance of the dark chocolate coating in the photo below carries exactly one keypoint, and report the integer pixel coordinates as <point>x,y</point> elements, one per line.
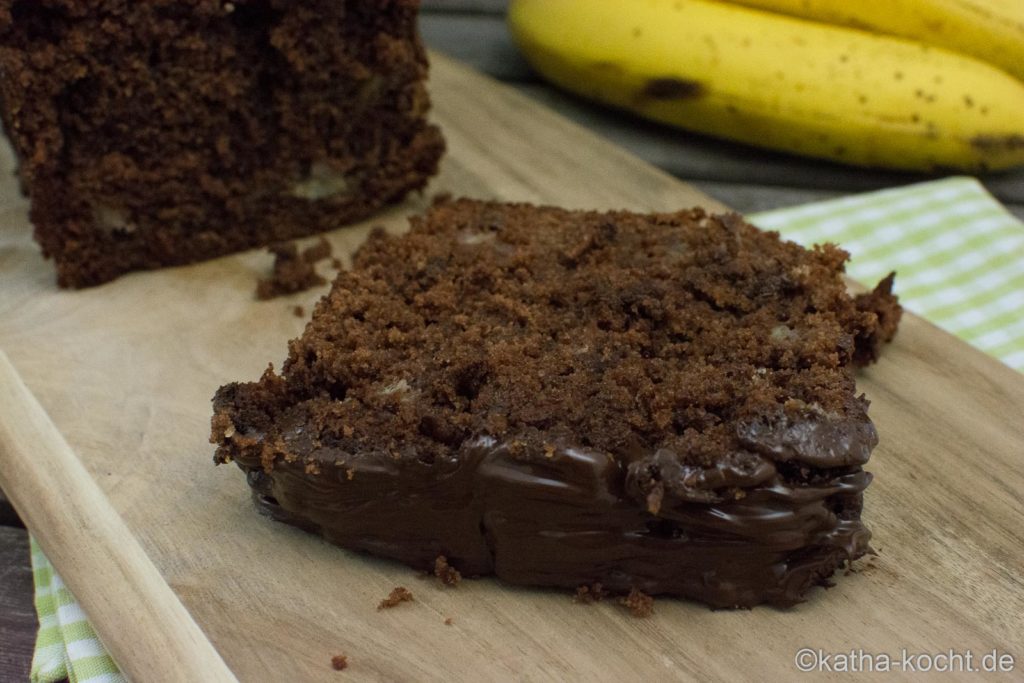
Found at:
<point>573,518</point>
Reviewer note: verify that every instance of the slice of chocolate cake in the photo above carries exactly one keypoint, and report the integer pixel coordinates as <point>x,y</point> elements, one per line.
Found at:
<point>663,403</point>
<point>159,133</point>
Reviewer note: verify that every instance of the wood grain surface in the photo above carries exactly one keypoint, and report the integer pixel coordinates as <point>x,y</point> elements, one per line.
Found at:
<point>126,372</point>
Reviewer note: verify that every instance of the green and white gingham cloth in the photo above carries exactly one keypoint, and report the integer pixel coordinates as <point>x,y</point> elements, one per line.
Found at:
<point>66,645</point>
<point>957,252</point>
<point>959,257</point>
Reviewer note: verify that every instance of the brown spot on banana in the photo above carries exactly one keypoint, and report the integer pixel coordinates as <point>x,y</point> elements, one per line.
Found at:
<point>671,88</point>
<point>998,143</point>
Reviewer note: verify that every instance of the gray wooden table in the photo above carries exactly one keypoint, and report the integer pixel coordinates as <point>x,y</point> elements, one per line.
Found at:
<point>474,31</point>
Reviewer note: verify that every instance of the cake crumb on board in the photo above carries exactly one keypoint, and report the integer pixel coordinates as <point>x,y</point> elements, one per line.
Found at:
<point>397,596</point>
<point>318,251</point>
<point>586,595</point>
<point>293,271</point>
<point>640,604</point>
<point>448,621</point>
<point>449,575</point>
<point>339,662</point>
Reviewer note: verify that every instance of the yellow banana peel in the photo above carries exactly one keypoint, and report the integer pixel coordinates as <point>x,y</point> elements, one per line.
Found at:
<point>779,82</point>
<point>991,30</point>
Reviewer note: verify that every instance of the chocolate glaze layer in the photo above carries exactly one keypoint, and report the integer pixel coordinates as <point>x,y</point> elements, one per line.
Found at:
<point>736,534</point>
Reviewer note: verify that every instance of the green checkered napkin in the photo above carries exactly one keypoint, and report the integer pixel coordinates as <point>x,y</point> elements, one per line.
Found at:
<point>957,252</point>
<point>66,645</point>
<point>959,256</point>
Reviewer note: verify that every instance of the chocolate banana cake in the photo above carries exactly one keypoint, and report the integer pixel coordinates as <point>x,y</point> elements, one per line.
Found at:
<point>164,132</point>
<point>662,403</point>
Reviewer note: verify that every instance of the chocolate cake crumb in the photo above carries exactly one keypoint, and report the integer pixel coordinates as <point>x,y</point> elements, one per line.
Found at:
<point>586,595</point>
<point>299,311</point>
<point>887,312</point>
<point>318,251</point>
<point>397,596</point>
<point>448,621</point>
<point>448,574</point>
<point>292,271</point>
<point>640,604</point>
<point>339,662</point>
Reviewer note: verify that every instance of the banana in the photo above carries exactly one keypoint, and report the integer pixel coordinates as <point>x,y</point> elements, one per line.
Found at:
<point>779,82</point>
<point>991,30</point>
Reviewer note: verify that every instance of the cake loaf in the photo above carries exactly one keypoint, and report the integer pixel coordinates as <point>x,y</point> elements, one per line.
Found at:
<point>661,402</point>
<point>159,132</point>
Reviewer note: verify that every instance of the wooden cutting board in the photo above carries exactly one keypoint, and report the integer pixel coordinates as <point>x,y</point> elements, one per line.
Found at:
<point>126,371</point>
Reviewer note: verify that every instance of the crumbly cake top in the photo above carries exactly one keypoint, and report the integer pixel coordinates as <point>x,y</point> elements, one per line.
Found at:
<point>693,335</point>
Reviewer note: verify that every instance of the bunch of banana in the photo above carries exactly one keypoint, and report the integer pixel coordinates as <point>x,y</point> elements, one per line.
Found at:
<point>798,85</point>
